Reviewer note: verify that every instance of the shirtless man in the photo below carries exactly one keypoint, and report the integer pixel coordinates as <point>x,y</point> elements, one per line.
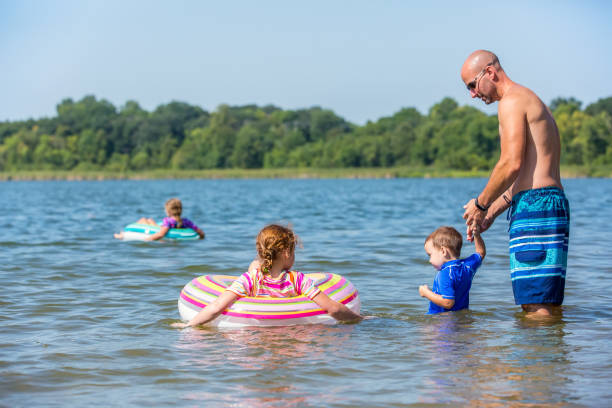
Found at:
<point>527,179</point>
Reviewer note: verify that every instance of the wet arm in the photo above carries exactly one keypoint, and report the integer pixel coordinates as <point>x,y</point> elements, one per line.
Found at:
<point>425,292</point>
<point>200,233</point>
<point>501,204</point>
<point>211,311</point>
<point>479,245</point>
<point>336,309</point>
<point>158,235</point>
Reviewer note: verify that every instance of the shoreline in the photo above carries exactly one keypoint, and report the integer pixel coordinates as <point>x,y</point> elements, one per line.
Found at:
<point>284,173</point>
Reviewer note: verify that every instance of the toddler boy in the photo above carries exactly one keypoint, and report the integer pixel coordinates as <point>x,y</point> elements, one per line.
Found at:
<point>451,287</point>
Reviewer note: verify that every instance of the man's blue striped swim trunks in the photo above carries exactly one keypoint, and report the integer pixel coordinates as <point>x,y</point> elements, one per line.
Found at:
<point>539,237</point>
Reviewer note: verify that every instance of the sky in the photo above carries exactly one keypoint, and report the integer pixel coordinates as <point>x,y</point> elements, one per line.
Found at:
<point>362,59</point>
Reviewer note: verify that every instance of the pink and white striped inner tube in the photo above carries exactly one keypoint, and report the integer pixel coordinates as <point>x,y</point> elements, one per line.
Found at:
<point>266,311</point>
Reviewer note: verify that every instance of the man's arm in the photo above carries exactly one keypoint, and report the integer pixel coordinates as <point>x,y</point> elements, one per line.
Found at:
<point>513,135</point>
<point>499,206</point>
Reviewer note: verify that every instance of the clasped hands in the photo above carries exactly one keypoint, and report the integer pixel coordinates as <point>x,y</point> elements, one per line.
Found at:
<point>475,219</point>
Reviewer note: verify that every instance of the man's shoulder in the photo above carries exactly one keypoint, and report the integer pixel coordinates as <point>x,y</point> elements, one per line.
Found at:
<point>518,97</point>
<point>514,96</point>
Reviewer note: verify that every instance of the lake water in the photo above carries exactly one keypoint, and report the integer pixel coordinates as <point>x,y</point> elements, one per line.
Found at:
<point>86,319</point>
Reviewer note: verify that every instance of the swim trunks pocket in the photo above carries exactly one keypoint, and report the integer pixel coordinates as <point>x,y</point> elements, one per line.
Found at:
<point>533,255</point>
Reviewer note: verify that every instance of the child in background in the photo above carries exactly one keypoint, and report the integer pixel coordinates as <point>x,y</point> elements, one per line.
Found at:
<point>270,276</point>
<point>451,287</point>
<point>174,208</point>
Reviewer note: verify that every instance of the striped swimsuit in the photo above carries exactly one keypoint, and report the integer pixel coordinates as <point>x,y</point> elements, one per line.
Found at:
<point>288,284</point>
<point>539,237</point>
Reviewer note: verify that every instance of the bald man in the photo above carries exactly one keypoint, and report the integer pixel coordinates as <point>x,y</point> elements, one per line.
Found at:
<point>527,180</point>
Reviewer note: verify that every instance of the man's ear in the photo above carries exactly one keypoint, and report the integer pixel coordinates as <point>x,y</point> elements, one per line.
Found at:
<point>495,76</point>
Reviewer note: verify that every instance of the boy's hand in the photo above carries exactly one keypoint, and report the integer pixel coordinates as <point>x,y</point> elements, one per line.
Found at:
<point>423,289</point>
<point>475,231</point>
<point>179,325</point>
<point>477,239</point>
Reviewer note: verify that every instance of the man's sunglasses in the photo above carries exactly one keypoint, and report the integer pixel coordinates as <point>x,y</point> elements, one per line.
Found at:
<point>472,85</point>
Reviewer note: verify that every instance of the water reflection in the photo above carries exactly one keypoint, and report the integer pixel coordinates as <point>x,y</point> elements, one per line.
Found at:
<point>276,397</point>
<point>263,360</point>
<point>475,360</point>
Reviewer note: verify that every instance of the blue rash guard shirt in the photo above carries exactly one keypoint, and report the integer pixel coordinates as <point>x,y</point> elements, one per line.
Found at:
<point>454,281</point>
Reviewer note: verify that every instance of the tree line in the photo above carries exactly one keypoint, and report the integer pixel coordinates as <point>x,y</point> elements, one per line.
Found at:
<point>92,134</point>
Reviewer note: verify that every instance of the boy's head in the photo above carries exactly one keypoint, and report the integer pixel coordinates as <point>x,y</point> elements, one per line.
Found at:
<point>443,245</point>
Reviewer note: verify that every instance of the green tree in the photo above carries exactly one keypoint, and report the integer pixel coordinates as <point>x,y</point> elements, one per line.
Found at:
<point>93,134</point>
<point>572,103</point>
<point>15,154</point>
<point>88,113</point>
<point>249,149</point>
<point>91,148</point>
<point>594,139</point>
<point>602,105</point>
<point>569,122</point>
<point>50,153</point>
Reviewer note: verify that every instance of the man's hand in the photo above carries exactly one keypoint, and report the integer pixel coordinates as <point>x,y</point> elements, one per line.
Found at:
<point>486,223</point>
<point>179,325</point>
<point>473,217</point>
<point>423,289</point>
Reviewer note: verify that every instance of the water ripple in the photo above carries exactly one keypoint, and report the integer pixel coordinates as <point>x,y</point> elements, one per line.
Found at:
<point>86,319</point>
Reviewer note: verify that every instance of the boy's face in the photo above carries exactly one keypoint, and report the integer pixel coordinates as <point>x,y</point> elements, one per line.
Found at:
<point>437,256</point>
